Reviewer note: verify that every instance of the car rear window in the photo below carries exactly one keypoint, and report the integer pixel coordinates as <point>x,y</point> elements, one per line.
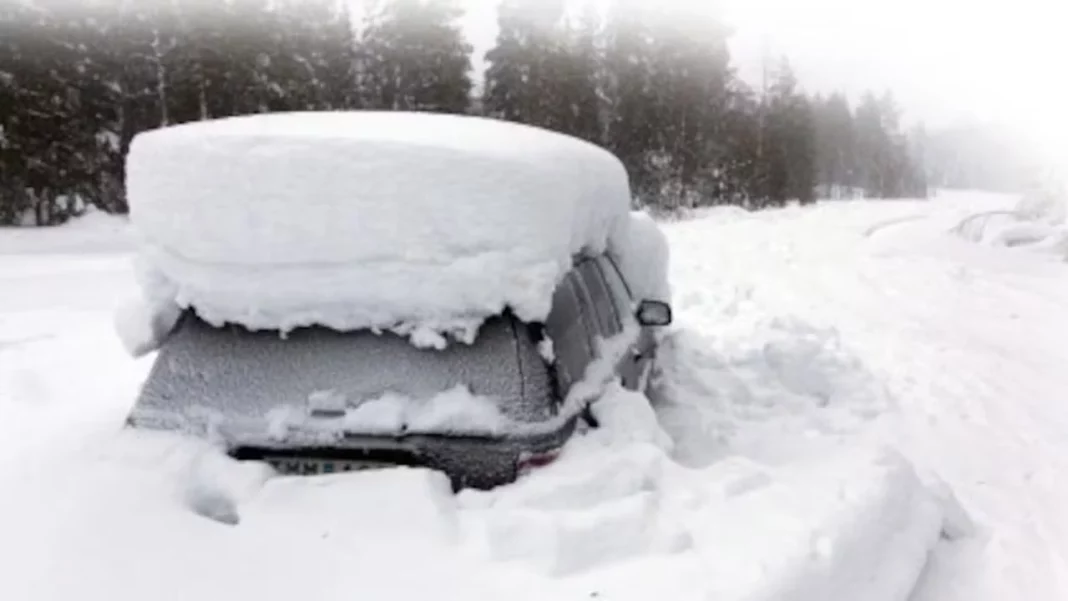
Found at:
<point>246,374</point>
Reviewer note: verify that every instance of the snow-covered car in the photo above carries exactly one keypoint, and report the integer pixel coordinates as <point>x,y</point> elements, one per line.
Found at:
<point>244,375</point>
<point>363,296</point>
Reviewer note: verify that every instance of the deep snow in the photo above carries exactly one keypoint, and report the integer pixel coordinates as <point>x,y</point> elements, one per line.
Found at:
<point>838,378</point>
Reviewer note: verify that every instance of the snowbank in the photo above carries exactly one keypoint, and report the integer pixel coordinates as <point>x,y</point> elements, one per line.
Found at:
<point>614,515</point>
<point>93,232</point>
<point>367,220</point>
<point>852,523</point>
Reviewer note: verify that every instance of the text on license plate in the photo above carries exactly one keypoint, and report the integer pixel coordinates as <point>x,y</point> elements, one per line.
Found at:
<point>300,466</point>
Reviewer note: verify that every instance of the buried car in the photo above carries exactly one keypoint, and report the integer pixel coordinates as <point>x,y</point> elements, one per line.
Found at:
<point>377,289</point>
<point>321,401</point>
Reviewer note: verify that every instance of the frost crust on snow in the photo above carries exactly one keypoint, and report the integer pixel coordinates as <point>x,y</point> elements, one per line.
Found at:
<point>413,222</point>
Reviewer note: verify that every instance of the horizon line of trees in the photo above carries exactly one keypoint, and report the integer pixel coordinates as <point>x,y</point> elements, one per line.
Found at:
<point>80,79</point>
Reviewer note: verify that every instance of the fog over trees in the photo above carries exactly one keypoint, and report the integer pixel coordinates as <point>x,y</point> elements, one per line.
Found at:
<point>79,79</point>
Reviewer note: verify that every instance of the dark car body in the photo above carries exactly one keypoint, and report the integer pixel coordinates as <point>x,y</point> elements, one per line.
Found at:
<point>311,401</point>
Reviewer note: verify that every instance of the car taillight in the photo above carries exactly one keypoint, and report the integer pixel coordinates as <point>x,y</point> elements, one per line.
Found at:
<point>532,461</point>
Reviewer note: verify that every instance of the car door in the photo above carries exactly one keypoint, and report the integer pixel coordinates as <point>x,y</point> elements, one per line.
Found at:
<point>635,367</point>
<point>570,327</point>
<point>610,316</point>
<point>606,319</point>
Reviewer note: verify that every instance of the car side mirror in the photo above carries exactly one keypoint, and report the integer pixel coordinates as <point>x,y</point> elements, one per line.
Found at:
<point>653,313</point>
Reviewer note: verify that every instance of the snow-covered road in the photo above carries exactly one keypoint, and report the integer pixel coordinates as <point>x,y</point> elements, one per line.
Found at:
<point>825,362</point>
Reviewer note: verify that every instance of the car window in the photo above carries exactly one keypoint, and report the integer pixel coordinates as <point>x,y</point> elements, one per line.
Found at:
<point>244,374</point>
<point>602,305</point>
<point>617,286</point>
<point>567,327</point>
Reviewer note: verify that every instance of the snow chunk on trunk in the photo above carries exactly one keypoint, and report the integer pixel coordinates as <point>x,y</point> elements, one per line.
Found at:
<point>368,220</point>
<point>142,325</point>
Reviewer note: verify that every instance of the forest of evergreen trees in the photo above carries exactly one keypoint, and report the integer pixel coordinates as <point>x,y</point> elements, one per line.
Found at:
<point>80,78</point>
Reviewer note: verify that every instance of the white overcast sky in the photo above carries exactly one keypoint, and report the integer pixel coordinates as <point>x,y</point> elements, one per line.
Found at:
<point>1003,62</point>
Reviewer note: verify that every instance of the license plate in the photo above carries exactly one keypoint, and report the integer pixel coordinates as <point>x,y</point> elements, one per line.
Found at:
<point>300,466</point>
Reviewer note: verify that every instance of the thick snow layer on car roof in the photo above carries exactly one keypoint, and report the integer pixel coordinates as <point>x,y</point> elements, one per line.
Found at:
<point>366,219</point>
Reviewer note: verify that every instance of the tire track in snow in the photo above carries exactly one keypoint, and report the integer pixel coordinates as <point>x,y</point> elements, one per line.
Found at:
<point>891,223</point>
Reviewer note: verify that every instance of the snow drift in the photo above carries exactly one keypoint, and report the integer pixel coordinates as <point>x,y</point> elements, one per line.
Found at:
<point>615,515</point>
<point>367,220</point>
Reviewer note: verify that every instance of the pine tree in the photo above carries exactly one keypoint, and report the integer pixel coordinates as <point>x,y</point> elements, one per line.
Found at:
<point>668,91</point>
<point>314,65</point>
<point>79,79</point>
<point>415,57</point>
<point>632,121</point>
<point>119,89</point>
<point>338,62</point>
<point>193,65</point>
<point>916,153</point>
<point>544,69</point>
<point>520,79</point>
<point>49,132</point>
<point>835,141</point>
<point>872,142</point>
<point>690,76</point>
<point>15,68</point>
<point>789,142</point>
<point>801,150</point>
<point>246,35</point>
<point>94,95</point>
<point>741,180</point>
<point>578,101</point>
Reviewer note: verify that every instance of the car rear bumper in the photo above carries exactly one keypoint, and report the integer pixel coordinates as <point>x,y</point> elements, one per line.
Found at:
<point>469,461</point>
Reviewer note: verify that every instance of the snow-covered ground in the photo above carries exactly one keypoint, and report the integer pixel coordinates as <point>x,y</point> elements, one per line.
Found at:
<point>850,388</point>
